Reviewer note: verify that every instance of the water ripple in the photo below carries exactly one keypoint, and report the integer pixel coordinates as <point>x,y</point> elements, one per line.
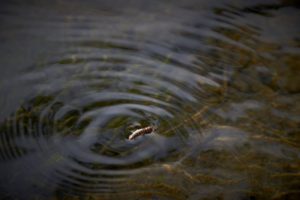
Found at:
<point>96,74</point>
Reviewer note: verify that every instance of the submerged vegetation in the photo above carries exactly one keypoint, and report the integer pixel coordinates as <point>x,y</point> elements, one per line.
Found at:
<point>223,93</point>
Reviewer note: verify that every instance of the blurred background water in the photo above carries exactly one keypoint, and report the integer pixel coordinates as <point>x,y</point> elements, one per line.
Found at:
<point>220,80</point>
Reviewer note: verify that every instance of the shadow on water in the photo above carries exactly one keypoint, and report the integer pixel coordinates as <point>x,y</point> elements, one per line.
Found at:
<point>219,80</point>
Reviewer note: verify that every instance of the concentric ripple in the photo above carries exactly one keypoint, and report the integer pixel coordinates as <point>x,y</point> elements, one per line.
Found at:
<point>78,124</point>
<point>102,83</point>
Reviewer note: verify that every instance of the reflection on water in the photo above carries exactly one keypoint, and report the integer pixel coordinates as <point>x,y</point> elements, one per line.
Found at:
<point>220,80</point>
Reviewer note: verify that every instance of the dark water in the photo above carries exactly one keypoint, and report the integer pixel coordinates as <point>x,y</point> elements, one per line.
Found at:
<point>220,80</point>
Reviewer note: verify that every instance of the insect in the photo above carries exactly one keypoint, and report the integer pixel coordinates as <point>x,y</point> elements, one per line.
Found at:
<point>142,131</point>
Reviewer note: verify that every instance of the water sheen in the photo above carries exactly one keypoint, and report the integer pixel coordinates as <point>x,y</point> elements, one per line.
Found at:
<point>220,80</point>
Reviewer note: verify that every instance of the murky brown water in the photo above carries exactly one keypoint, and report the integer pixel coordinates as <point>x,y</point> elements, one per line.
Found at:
<point>220,80</point>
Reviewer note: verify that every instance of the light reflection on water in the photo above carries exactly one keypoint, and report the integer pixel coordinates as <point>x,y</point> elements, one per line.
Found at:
<point>220,80</point>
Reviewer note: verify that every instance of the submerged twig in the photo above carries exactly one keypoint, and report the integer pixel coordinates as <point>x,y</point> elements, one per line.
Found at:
<point>198,115</point>
<point>151,129</point>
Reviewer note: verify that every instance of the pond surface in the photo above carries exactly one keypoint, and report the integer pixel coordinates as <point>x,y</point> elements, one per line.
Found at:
<point>220,80</point>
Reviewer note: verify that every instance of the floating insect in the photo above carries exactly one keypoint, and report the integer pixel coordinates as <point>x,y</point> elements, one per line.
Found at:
<point>142,131</point>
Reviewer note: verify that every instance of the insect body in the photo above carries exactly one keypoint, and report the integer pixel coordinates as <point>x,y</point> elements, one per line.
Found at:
<point>142,131</point>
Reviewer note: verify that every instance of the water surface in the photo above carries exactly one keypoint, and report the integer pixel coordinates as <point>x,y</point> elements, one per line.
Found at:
<point>220,80</point>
